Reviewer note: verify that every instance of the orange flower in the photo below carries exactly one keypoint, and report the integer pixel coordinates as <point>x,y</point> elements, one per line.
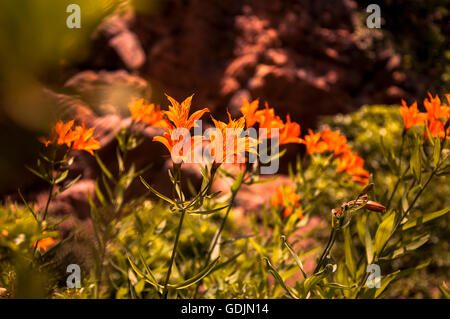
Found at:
<point>268,120</point>
<point>353,165</point>
<point>336,142</point>
<point>84,140</point>
<point>412,116</point>
<point>248,110</point>
<point>146,113</point>
<point>78,138</point>
<point>290,132</point>
<point>44,243</point>
<point>178,115</point>
<point>287,198</point>
<point>313,145</point>
<point>232,145</point>
<point>435,110</point>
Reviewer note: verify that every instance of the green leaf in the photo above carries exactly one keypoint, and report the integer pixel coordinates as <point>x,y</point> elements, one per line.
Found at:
<point>207,212</point>
<point>142,275</point>
<point>436,152</point>
<point>104,168</point>
<point>368,243</point>
<point>383,232</point>
<point>278,278</point>
<point>27,205</point>
<point>147,269</point>
<point>348,250</point>
<point>386,280</point>
<point>409,247</point>
<point>62,177</point>
<point>296,258</point>
<point>193,280</point>
<point>415,162</point>
<point>156,192</point>
<point>424,218</point>
<point>45,178</point>
<point>67,186</point>
<point>312,281</point>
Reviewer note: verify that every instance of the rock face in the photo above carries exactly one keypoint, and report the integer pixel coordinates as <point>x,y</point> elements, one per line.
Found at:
<point>306,58</point>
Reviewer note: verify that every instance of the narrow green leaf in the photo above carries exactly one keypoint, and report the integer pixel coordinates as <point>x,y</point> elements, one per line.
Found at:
<point>384,231</point>
<point>368,243</point>
<point>348,250</point>
<point>156,192</point>
<point>278,278</point>
<point>62,176</point>
<point>436,152</point>
<point>296,258</point>
<point>104,168</point>
<point>207,212</point>
<point>424,218</point>
<point>193,280</point>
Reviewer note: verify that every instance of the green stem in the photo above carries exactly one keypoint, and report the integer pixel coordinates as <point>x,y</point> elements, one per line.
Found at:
<point>328,247</point>
<point>172,259</point>
<point>216,237</point>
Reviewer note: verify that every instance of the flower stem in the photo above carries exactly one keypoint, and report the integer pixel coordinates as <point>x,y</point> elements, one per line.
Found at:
<point>174,251</point>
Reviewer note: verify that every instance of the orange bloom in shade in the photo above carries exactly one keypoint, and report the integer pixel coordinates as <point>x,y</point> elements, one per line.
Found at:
<point>84,140</point>
<point>353,165</point>
<point>412,116</point>
<point>178,114</point>
<point>438,114</point>
<point>143,112</point>
<point>336,142</point>
<point>232,145</point>
<point>248,110</point>
<point>78,138</point>
<point>44,243</point>
<point>435,110</point>
<point>62,134</point>
<point>290,132</point>
<point>178,118</point>
<point>287,198</point>
<point>268,120</point>
<point>313,145</point>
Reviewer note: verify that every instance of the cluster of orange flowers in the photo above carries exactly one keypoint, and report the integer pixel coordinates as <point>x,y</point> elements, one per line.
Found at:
<point>76,138</point>
<point>177,117</point>
<point>435,118</point>
<point>285,197</point>
<point>288,132</point>
<point>333,141</point>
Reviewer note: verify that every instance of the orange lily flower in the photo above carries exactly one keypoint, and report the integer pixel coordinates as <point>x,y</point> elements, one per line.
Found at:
<point>84,140</point>
<point>178,113</point>
<point>353,165</point>
<point>178,118</point>
<point>232,146</point>
<point>336,142</point>
<point>44,243</point>
<point>412,116</point>
<point>150,114</point>
<point>313,145</point>
<point>268,120</point>
<point>286,198</point>
<point>248,110</point>
<point>78,138</point>
<point>434,108</point>
<point>62,134</point>
<point>290,132</point>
